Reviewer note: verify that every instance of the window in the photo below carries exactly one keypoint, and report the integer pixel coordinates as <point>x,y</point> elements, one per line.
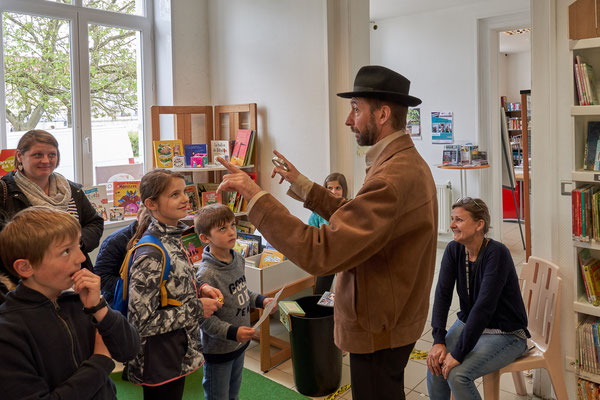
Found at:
<point>76,68</point>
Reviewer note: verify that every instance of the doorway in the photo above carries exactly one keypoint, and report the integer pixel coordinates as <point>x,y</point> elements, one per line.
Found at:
<point>514,86</point>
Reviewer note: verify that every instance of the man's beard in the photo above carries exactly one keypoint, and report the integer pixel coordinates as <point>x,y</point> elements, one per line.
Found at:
<point>369,135</point>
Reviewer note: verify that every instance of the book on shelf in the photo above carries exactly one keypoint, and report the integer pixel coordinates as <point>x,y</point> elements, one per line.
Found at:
<point>587,390</point>
<point>587,341</point>
<point>210,198</point>
<point>191,150</point>
<point>219,148</point>
<point>195,202</point>
<point>126,194</point>
<point>244,247</point>
<point>255,241</point>
<point>585,215</point>
<point>245,226</point>
<point>7,161</point>
<point>192,244</point>
<point>591,156</point>
<point>585,83</point>
<point>99,199</point>
<point>269,257</point>
<point>241,149</point>
<point>207,187</point>
<point>164,150</point>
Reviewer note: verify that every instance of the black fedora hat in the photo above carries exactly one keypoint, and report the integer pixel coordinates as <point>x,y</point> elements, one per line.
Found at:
<point>381,83</point>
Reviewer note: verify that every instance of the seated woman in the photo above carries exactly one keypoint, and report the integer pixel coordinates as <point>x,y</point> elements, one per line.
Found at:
<point>491,329</point>
<point>336,184</point>
<point>36,183</point>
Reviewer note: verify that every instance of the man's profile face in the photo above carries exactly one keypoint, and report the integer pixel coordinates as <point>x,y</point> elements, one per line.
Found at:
<point>362,122</point>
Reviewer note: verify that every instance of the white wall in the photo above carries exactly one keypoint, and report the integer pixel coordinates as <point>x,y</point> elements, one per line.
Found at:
<point>518,75</point>
<point>273,53</point>
<point>437,51</point>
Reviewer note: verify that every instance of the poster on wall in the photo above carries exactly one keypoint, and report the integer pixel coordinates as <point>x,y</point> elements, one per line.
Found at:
<point>413,123</point>
<point>442,127</point>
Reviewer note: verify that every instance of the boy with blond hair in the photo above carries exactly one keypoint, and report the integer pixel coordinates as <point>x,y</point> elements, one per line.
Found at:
<point>225,331</point>
<point>56,342</point>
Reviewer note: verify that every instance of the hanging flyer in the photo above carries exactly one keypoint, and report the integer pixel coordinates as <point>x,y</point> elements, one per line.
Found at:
<point>413,123</point>
<point>441,127</point>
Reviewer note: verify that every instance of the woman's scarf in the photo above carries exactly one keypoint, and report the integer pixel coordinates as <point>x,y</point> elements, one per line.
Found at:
<point>59,191</point>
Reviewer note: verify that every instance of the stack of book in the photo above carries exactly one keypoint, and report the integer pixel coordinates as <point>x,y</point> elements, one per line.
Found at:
<point>587,345</point>
<point>585,83</point>
<point>590,273</point>
<point>243,147</point>
<point>585,213</point>
<point>587,390</point>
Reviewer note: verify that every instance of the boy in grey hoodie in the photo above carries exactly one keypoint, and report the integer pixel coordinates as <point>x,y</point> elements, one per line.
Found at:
<point>227,328</point>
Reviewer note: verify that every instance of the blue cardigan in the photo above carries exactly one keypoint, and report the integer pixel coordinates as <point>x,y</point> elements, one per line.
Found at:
<point>495,300</point>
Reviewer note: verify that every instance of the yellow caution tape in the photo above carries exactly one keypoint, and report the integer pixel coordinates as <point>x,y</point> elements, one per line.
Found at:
<point>414,355</point>
<point>418,354</point>
<point>338,392</point>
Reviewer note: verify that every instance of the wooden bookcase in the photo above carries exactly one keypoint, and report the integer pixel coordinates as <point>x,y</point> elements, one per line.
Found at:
<point>589,50</point>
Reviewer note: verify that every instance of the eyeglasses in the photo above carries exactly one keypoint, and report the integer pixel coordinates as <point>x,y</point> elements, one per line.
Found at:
<point>467,200</point>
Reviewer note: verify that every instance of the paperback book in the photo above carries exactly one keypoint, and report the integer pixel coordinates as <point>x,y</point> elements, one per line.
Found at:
<point>219,148</point>
<point>99,200</point>
<point>127,195</point>
<point>164,150</point>
<point>193,245</point>
<point>7,161</point>
<point>192,150</point>
<point>195,202</point>
<point>241,149</point>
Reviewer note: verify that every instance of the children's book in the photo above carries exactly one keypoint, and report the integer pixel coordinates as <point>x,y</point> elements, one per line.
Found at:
<point>255,240</point>
<point>192,150</point>
<point>7,161</point>
<point>127,195</point>
<point>270,257</point>
<point>164,150</point>
<point>245,226</point>
<point>207,187</point>
<point>287,308</point>
<point>99,199</point>
<point>326,299</point>
<point>241,147</point>
<point>192,193</point>
<point>219,148</point>
<point>244,247</point>
<point>210,198</point>
<point>193,245</point>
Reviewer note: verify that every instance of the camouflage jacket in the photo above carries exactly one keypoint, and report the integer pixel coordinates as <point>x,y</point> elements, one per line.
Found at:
<point>171,344</point>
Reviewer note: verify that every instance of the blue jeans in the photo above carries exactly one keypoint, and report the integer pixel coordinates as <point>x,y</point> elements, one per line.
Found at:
<point>222,381</point>
<point>491,353</point>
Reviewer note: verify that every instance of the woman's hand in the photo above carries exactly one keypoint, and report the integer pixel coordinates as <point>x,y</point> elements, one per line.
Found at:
<point>291,175</point>
<point>435,358</point>
<point>448,364</point>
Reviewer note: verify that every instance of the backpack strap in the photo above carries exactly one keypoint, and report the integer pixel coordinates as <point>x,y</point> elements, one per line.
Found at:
<point>150,240</point>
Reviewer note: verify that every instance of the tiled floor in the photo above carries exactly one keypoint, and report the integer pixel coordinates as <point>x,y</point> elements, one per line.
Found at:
<point>416,370</point>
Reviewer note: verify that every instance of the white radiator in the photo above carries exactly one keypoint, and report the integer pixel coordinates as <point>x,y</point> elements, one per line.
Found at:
<point>444,199</point>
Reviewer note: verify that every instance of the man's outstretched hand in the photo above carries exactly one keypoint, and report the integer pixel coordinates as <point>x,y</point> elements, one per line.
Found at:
<point>237,181</point>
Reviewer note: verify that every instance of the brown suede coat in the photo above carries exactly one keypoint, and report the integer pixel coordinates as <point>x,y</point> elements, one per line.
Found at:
<point>382,243</point>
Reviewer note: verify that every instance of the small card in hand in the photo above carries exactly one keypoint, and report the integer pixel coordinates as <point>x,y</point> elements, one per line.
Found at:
<point>327,299</point>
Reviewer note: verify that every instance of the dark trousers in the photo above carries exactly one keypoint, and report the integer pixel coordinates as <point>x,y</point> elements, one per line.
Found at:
<point>379,375</point>
<point>169,391</point>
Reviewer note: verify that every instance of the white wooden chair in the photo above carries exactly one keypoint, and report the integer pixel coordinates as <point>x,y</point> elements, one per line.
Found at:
<point>541,295</point>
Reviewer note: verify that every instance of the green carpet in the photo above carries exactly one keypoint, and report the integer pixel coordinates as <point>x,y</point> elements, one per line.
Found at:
<point>254,386</point>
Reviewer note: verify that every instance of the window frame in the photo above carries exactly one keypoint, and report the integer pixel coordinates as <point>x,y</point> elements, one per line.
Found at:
<point>80,17</point>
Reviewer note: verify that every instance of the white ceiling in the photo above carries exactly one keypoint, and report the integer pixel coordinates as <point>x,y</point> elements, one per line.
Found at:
<point>380,9</point>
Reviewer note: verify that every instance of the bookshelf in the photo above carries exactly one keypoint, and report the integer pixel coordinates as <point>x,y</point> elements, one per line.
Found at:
<point>228,119</point>
<point>589,51</point>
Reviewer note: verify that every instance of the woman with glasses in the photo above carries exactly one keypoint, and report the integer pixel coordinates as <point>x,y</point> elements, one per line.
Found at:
<point>491,329</point>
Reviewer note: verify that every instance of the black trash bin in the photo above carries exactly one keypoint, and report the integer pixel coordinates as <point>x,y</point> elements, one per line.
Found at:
<point>317,361</point>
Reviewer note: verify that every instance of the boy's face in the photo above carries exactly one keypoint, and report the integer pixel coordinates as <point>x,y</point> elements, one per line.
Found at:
<point>222,237</point>
<point>60,262</point>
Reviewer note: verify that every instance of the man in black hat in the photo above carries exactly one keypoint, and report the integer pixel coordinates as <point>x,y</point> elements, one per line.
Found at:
<point>382,243</point>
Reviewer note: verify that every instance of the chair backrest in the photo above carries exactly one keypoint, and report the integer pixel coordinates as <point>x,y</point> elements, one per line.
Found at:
<point>541,295</point>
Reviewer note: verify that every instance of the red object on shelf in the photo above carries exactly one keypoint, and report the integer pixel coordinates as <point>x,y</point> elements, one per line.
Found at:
<point>508,203</point>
